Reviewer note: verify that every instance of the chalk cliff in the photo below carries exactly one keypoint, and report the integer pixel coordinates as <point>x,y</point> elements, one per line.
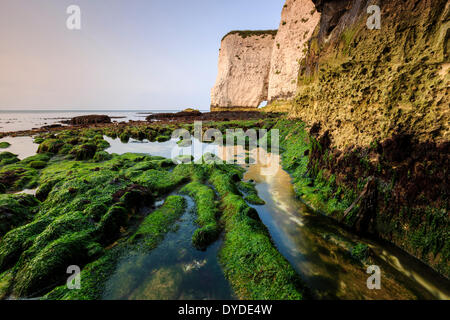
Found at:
<point>375,103</point>
<point>255,66</point>
<point>244,65</point>
<point>299,18</point>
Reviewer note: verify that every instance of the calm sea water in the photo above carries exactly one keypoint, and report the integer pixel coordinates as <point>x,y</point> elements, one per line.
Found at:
<point>11,120</point>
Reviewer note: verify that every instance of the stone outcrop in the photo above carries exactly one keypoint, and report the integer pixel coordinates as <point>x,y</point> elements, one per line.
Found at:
<point>244,65</point>
<point>299,18</point>
<point>89,119</point>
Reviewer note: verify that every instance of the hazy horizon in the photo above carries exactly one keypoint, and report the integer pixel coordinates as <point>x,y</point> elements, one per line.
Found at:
<point>129,55</point>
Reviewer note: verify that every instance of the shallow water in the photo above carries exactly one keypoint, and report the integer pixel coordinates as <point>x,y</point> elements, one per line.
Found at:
<point>174,270</point>
<point>315,245</point>
<point>319,249</point>
<point>24,147</point>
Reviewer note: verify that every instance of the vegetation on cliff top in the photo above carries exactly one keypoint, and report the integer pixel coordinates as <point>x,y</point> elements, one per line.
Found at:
<point>251,33</point>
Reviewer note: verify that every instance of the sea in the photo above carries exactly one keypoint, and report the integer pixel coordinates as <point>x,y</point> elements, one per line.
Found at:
<point>12,120</point>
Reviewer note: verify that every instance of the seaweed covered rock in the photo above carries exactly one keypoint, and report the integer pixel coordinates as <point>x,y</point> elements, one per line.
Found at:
<point>156,223</point>
<point>16,210</point>
<point>18,176</point>
<point>249,190</point>
<point>38,164</point>
<point>207,214</point>
<point>248,250</point>
<point>111,223</point>
<point>7,158</point>
<point>102,156</point>
<point>4,145</point>
<point>89,119</point>
<point>85,207</point>
<point>50,145</point>
<point>47,267</point>
<point>84,152</point>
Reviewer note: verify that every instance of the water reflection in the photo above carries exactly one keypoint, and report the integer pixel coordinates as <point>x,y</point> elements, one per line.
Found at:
<point>316,247</point>
<point>174,270</point>
<point>23,147</point>
<point>319,250</point>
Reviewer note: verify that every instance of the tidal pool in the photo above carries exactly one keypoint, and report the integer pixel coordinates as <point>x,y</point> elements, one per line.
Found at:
<point>317,248</point>
<point>23,147</point>
<point>174,270</point>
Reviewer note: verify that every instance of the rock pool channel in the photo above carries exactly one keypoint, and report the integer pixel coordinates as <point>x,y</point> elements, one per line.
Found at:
<point>315,245</point>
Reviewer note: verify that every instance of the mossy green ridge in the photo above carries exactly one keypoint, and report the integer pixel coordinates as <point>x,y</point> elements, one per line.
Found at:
<point>86,206</point>
<point>157,223</point>
<point>6,279</point>
<point>309,182</point>
<point>16,175</point>
<point>254,267</point>
<point>7,158</point>
<point>251,195</point>
<point>16,210</point>
<point>94,276</point>
<point>4,145</point>
<point>207,214</point>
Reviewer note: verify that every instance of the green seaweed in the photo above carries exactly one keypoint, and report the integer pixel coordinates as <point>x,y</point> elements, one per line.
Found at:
<point>207,214</point>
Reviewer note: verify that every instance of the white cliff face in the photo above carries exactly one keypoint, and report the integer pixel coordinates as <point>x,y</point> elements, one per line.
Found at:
<point>256,66</point>
<point>244,65</point>
<point>299,18</point>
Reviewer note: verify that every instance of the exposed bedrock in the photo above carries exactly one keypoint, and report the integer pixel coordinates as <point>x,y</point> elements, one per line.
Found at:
<point>365,85</point>
<point>89,119</point>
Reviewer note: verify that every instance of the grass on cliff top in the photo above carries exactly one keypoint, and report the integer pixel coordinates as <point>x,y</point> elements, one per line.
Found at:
<point>250,33</point>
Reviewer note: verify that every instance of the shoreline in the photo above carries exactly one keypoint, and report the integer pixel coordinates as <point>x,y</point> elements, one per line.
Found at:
<point>163,119</point>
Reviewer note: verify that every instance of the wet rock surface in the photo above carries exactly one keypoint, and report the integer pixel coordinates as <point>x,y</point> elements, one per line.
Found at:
<point>90,119</point>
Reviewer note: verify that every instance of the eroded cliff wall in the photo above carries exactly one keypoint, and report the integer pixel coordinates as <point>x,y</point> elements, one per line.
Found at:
<point>364,84</point>
<point>376,105</point>
<point>244,65</point>
<point>299,18</point>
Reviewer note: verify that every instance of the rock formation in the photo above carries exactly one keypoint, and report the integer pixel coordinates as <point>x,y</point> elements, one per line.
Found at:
<point>299,18</point>
<point>364,84</point>
<point>90,119</point>
<point>377,105</point>
<point>255,67</point>
<point>244,65</point>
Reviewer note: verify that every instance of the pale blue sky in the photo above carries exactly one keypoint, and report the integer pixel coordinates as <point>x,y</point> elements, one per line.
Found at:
<point>149,54</point>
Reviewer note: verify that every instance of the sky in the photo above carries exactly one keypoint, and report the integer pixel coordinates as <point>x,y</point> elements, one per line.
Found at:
<point>129,54</point>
